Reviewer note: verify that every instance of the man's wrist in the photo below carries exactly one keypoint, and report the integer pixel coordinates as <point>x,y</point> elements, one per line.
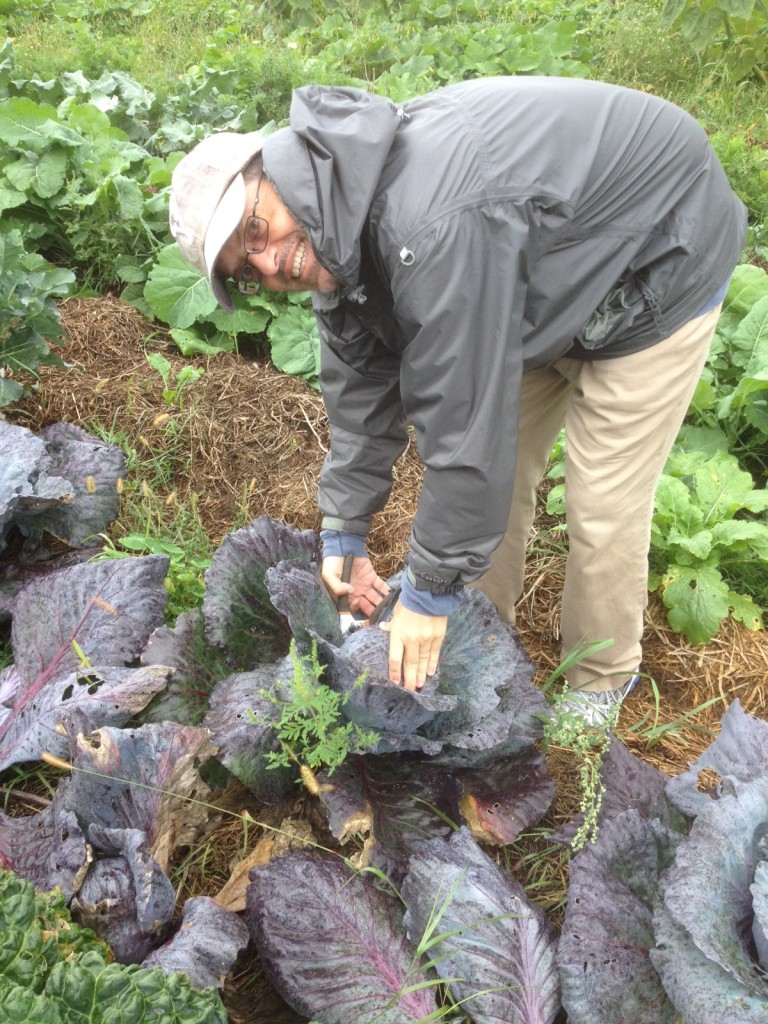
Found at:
<point>425,602</point>
<point>338,543</point>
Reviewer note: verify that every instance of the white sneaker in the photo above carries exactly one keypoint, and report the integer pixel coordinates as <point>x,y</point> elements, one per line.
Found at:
<point>597,708</point>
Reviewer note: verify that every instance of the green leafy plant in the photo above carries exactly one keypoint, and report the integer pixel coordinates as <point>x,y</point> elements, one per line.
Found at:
<point>735,30</point>
<point>708,517</point>
<point>568,730</point>
<point>52,969</point>
<point>29,318</point>
<point>311,728</point>
<point>173,384</point>
<point>732,395</point>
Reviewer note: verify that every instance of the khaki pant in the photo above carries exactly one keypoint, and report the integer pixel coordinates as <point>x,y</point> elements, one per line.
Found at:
<point>621,418</point>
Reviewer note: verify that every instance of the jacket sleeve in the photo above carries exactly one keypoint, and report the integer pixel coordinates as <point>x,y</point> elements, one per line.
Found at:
<point>360,380</point>
<point>461,304</point>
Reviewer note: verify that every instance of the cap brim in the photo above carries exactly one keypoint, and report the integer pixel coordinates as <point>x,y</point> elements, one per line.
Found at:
<point>226,218</point>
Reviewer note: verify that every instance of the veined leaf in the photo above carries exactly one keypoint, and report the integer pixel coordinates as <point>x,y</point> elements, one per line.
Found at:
<point>697,601</point>
<point>707,891</point>
<point>25,123</point>
<point>177,293</point>
<point>495,950</point>
<point>606,972</point>
<point>105,610</point>
<point>51,969</point>
<point>348,962</point>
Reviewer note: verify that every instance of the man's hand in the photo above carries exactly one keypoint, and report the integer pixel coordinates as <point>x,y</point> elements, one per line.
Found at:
<point>365,588</point>
<point>414,646</point>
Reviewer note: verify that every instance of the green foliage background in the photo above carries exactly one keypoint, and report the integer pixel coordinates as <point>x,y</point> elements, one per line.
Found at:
<point>99,99</point>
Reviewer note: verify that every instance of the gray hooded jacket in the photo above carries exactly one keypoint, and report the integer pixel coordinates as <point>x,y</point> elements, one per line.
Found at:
<point>479,231</point>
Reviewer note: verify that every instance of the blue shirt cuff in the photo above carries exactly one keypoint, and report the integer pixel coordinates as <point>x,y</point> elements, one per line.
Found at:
<point>337,543</point>
<point>424,602</point>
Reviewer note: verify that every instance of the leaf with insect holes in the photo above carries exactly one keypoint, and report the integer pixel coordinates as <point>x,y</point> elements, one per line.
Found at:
<point>47,848</point>
<point>606,973</point>
<point>493,947</point>
<point>739,752</point>
<point>126,897</point>
<point>101,613</point>
<point>145,779</point>
<point>332,943</point>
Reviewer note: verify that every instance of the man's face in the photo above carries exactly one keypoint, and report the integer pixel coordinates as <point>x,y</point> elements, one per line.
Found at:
<point>288,263</point>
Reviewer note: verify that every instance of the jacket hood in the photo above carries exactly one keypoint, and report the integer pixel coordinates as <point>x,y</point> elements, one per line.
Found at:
<point>326,167</point>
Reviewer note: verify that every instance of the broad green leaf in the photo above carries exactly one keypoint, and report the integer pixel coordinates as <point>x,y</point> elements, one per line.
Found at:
<point>749,342</point>
<point>130,200</point>
<point>737,8</point>
<point>245,319</point>
<point>698,544</point>
<point>177,293</point>
<point>722,488</point>
<point>25,123</point>
<point>749,284</point>
<point>697,600</point>
<point>296,343</point>
<point>745,611</point>
<point>193,341</point>
<point>10,198</point>
<point>675,505</point>
<point>743,533</point>
<point>51,172</point>
<point>10,390</point>
<point>671,11</point>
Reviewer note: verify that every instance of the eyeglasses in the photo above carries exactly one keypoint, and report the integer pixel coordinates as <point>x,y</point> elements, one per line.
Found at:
<point>255,238</point>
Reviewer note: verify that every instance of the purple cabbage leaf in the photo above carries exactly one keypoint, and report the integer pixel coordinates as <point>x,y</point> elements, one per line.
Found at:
<point>606,973</point>
<point>95,470</point>
<point>48,849</point>
<point>297,591</point>
<point>206,945</point>
<point>240,617</point>
<point>739,753</point>
<point>59,491</point>
<point>403,800</point>
<point>126,898</point>
<point>500,801</point>
<point>703,991</point>
<point>197,668</point>
<point>494,949</point>
<point>239,718</point>
<point>759,890</point>
<point>479,707</point>
<point>333,944</point>
<point>145,780</point>
<point>707,891</point>
<point>72,634</point>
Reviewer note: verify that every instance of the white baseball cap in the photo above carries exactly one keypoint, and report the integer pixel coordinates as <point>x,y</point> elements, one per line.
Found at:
<point>208,201</point>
